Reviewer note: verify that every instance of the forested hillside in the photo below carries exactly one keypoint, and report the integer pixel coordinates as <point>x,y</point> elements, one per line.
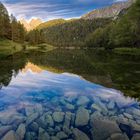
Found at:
<point>68,34</point>
<point>100,32</point>
<point>123,32</point>
<point>10,28</point>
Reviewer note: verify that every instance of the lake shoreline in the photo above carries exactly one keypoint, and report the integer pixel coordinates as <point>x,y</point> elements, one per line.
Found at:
<point>10,48</point>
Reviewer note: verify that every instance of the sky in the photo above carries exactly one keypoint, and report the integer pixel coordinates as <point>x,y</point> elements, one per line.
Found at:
<point>53,9</point>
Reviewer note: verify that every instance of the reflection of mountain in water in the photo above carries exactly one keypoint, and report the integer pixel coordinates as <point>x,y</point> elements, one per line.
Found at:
<point>105,68</point>
<point>32,67</point>
<point>39,104</point>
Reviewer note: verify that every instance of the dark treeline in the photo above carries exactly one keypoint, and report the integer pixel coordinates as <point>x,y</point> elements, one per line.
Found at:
<point>68,34</point>
<point>10,28</point>
<point>121,32</point>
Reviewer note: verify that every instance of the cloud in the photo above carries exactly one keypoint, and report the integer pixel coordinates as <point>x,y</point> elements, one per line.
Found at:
<point>51,9</point>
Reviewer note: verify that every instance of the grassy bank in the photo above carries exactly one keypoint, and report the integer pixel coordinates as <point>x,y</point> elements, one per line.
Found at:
<point>8,47</point>
<point>131,51</point>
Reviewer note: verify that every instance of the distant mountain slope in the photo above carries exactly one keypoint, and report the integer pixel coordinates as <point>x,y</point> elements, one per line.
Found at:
<point>51,23</point>
<point>108,12</point>
<point>32,24</point>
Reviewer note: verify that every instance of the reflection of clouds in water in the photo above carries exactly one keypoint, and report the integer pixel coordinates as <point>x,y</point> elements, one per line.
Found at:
<point>32,95</point>
<point>69,83</point>
<point>112,95</point>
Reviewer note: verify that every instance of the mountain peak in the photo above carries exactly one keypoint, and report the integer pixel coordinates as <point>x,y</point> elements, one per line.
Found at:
<point>110,11</point>
<point>32,24</point>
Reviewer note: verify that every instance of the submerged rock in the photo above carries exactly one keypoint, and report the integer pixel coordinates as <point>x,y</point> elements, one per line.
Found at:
<point>102,129</point>
<point>4,130</point>
<point>119,136</point>
<point>32,118</point>
<point>135,127</point>
<point>11,135</point>
<point>94,116</point>
<point>79,135</point>
<point>96,107</point>
<point>21,131</point>
<point>70,106</point>
<point>30,136</point>
<point>49,120</point>
<point>136,136</point>
<point>82,117</point>
<point>54,138</point>
<point>34,127</point>
<point>58,116</point>
<point>61,135</point>
<point>14,118</point>
<point>43,135</point>
<point>111,105</point>
<point>129,116</point>
<point>82,100</point>
<point>67,121</point>
<point>29,110</point>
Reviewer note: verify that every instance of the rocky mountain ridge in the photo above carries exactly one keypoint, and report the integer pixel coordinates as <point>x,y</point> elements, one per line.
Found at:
<point>110,11</point>
<point>32,24</point>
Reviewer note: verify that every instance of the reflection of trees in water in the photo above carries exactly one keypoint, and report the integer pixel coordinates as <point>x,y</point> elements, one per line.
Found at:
<point>105,68</point>
<point>10,67</point>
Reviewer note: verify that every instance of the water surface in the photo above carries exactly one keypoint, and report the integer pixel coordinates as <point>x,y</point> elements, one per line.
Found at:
<point>67,94</point>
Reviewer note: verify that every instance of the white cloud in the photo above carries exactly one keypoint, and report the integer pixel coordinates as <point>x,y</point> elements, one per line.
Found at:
<point>41,10</point>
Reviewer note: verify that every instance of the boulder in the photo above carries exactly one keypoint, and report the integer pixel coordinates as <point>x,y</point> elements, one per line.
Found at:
<point>135,127</point>
<point>21,131</point>
<point>111,105</point>
<point>58,116</point>
<point>79,135</point>
<point>39,108</point>
<point>49,120</point>
<point>82,100</point>
<point>129,116</point>
<point>61,135</point>
<point>54,138</point>
<point>82,117</point>
<point>34,127</point>
<point>69,106</point>
<point>29,110</point>
<point>136,136</point>
<point>32,118</point>
<point>119,136</point>
<point>4,130</point>
<point>43,135</point>
<point>102,129</point>
<point>96,107</point>
<point>11,135</point>
<point>14,118</point>
<point>67,121</point>
<point>31,136</point>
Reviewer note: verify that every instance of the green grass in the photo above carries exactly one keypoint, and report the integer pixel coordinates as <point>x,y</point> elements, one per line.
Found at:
<point>8,47</point>
<point>131,51</point>
<point>45,47</point>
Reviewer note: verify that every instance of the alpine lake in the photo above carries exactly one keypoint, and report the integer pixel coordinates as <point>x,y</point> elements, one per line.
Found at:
<point>70,95</point>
